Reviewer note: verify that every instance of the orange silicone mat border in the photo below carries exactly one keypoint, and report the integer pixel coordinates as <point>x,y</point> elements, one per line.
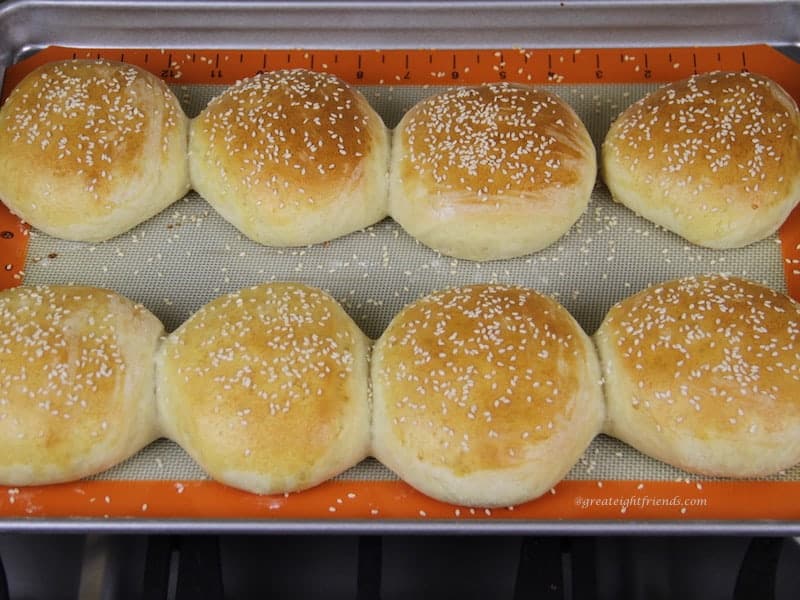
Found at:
<point>371,500</point>
<point>382,500</point>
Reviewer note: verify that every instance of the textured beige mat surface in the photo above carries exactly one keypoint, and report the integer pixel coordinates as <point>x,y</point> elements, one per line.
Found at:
<point>188,255</point>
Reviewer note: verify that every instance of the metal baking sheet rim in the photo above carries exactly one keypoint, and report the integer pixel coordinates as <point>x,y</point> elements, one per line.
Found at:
<point>400,527</point>
<point>26,25</point>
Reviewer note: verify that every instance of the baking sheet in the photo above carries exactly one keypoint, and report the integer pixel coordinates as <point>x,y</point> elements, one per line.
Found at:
<point>188,255</point>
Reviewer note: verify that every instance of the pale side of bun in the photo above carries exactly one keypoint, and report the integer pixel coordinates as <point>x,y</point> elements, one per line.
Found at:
<point>490,172</point>
<point>91,148</point>
<point>291,158</point>
<point>484,395</point>
<point>703,373</point>
<point>76,382</point>
<point>267,388</point>
<point>714,158</point>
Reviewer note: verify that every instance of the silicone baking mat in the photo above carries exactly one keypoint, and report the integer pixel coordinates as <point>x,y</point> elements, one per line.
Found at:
<point>188,255</point>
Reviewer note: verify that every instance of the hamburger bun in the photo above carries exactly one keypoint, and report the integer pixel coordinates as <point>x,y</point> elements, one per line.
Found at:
<point>484,395</point>
<point>703,373</point>
<point>291,158</point>
<point>76,382</point>
<point>91,148</point>
<point>714,158</point>
<point>267,388</point>
<point>490,172</point>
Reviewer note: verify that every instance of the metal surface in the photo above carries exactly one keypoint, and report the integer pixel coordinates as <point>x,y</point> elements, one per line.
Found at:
<point>28,25</point>
<point>356,24</point>
<point>138,526</point>
<point>94,568</point>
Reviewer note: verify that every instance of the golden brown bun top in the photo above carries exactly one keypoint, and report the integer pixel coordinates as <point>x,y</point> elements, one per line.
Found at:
<point>722,138</point>
<point>86,118</point>
<point>274,364</point>
<point>709,354</point>
<point>494,139</point>
<point>480,375</point>
<point>293,135</point>
<point>65,354</point>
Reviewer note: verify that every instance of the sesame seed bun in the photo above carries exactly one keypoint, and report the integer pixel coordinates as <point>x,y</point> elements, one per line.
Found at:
<point>703,373</point>
<point>484,395</point>
<point>714,158</point>
<point>291,158</point>
<point>91,148</point>
<point>76,382</point>
<point>267,388</point>
<point>490,172</point>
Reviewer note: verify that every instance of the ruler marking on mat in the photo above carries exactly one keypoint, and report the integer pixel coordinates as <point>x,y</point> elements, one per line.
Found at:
<point>468,67</point>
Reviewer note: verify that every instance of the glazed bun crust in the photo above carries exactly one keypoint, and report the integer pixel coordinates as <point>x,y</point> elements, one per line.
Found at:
<point>714,158</point>
<point>490,172</point>
<point>484,395</point>
<point>703,373</point>
<point>91,148</point>
<point>76,382</point>
<point>267,388</point>
<point>291,158</point>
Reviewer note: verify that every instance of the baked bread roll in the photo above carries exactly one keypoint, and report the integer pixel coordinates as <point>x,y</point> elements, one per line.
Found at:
<point>484,395</point>
<point>76,382</point>
<point>703,373</point>
<point>714,158</point>
<point>91,148</point>
<point>291,158</point>
<point>490,172</point>
<point>267,388</point>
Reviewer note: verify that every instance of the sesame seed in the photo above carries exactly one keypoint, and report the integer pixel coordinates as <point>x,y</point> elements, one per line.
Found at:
<point>733,347</point>
<point>283,137</point>
<point>90,116</point>
<point>474,372</point>
<point>712,154</point>
<point>267,357</point>
<point>491,140</point>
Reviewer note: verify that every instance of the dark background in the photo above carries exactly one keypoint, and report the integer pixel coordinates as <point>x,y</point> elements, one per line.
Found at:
<point>45,567</point>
